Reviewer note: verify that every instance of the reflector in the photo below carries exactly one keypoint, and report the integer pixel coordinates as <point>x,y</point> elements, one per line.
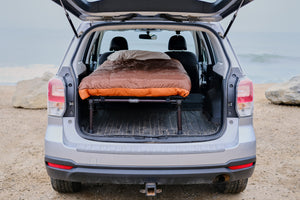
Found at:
<point>240,166</point>
<point>59,166</point>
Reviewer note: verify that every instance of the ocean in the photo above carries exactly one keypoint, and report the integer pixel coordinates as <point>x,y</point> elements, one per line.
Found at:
<point>265,57</point>
<point>268,57</point>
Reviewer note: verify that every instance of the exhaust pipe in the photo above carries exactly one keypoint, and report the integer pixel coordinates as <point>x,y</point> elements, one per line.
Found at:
<point>222,178</point>
<point>150,190</point>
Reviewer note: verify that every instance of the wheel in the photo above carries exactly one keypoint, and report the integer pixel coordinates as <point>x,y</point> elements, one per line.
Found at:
<point>232,187</point>
<point>62,186</point>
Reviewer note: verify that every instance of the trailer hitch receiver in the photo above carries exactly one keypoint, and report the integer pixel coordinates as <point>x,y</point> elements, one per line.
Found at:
<point>150,190</point>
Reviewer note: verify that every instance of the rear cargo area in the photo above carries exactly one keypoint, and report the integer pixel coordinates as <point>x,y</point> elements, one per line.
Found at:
<point>167,66</point>
<point>150,119</point>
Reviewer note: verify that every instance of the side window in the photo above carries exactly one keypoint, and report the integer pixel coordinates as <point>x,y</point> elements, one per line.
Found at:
<point>92,59</point>
<point>206,57</point>
<point>206,50</point>
<point>210,50</point>
<point>203,52</point>
<point>93,52</point>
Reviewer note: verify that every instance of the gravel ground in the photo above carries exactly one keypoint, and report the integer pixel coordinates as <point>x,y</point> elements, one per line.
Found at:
<point>23,175</point>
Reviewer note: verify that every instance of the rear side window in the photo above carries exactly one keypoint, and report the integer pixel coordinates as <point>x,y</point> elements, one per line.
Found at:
<point>134,43</point>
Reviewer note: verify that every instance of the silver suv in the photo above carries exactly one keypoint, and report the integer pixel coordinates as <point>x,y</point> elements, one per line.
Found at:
<point>206,136</point>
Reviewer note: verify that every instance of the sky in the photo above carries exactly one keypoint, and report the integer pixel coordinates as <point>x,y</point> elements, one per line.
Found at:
<point>258,16</point>
<point>268,16</point>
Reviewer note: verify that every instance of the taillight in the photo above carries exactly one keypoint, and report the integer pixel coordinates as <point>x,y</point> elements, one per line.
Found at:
<point>56,97</point>
<point>245,97</point>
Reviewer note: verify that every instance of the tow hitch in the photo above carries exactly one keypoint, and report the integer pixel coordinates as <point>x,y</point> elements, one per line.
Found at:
<point>150,190</point>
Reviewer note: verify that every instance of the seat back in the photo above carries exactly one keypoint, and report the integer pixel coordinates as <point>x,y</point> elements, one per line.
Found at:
<point>177,50</point>
<point>116,44</point>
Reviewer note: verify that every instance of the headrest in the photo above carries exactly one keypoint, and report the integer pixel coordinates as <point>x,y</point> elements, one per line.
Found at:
<point>137,55</point>
<point>177,42</point>
<point>118,43</point>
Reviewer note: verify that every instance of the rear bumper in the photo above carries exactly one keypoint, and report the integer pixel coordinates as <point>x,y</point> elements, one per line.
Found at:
<point>138,175</point>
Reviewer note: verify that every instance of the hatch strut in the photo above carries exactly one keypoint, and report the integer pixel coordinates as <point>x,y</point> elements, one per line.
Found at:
<point>232,20</point>
<point>69,19</point>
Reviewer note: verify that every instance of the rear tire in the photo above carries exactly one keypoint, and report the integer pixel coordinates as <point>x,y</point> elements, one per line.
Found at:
<point>62,186</point>
<point>232,187</point>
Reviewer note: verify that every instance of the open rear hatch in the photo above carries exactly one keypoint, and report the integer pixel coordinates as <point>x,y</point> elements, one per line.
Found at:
<point>195,10</point>
<point>152,121</point>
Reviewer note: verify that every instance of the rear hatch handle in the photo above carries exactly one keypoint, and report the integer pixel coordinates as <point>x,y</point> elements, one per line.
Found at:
<point>69,19</point>
<point>232,20</point>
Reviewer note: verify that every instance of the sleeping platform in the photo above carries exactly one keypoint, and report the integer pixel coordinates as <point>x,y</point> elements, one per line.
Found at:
<point>127,78</point>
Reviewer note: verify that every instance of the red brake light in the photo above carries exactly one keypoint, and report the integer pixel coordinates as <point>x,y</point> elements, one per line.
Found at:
<point>245,91</point>
<point>245,98</point>
<point>56,97</point>
<point>59,166</point>
<point>241,166</point>
<point>56,90</point>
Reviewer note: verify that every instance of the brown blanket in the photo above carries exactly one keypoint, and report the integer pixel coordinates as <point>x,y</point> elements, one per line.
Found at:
<point>147,78</point>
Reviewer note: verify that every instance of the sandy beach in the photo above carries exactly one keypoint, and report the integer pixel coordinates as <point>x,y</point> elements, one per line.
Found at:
<point>23,174</point>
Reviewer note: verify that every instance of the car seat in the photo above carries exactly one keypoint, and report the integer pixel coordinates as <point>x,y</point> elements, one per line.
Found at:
<point>117,43</point>
<point>178,50</point>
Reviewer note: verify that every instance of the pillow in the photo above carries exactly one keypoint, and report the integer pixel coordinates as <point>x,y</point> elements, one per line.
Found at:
<point>137,55</point>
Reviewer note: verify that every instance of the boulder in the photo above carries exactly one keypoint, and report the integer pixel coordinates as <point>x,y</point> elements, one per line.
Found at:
<point>285,93</point>
<point>32,94</point>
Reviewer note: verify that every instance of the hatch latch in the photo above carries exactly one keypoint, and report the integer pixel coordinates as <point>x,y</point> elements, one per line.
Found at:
<point>69,19</point>
<point>232,20</point>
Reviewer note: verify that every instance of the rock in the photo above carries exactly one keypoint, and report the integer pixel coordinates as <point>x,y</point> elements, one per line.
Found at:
<point>32,93</point>
<point>285,93</point>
